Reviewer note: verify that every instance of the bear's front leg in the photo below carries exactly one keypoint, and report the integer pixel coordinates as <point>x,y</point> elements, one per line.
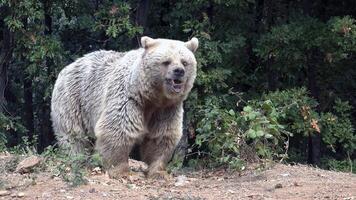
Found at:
<point>115,154</point>
<point>156,153</point>
<point>165,131</point>
<point>116,131</point>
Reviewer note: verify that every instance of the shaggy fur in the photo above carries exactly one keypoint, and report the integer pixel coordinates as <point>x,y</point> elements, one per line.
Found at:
<point>117,100</point>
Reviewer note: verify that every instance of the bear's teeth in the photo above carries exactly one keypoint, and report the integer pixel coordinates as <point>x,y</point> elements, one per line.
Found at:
<point>177,88</point>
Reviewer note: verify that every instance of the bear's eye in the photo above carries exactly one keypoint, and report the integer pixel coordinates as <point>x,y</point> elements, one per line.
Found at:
<point>185,63</point>
<point>166,63</point>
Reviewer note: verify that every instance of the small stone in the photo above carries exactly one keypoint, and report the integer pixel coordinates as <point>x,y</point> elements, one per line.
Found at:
<point>62,190</point>
<point>96,171</point>
<point>231,191</point>
<point>285,174</point>
<point>46,195</point>
<point>69,197</point>
<point>131,186</point>
<point>4,193</point>
<point>296,184</point>
<point>181,181</point>
<point>28,164</point>
<point>21,194</point>
<point>92,190</point>
<point>278,185</point>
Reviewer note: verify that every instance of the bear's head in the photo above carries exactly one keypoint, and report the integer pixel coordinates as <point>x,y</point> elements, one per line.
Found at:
<point>169,68</point>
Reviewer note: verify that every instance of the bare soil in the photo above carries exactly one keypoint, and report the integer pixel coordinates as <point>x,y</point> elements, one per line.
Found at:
<point>279,181</point>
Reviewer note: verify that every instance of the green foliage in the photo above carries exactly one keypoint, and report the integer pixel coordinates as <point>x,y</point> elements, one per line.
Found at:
<point>266,125</point>
<point>25,147</point>
<point>338,131</point>
<point>297,110</point>
<point>72,169</point>
<point>339,165</point>
<point>225,135</point>
<point>9,125</point>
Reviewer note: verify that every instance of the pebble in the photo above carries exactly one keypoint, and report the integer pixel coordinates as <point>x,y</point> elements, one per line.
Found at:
<point>131,186</point>
<point>181,181</point>
<point>285,175</point>
<point>21,194</point>
<point>4,193</point>
<point>231,191</point>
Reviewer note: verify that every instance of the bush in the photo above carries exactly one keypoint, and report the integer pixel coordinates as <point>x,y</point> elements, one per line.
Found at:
<point>230,138</point>
<point>268,127</point>
<point>9,125</point>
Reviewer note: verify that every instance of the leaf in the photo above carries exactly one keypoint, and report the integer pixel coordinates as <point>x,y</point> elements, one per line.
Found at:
<point>232,112</point>
<point>259,133</point>
<point>251,133</point>
<point>247,109</point>
<point>252,115</point>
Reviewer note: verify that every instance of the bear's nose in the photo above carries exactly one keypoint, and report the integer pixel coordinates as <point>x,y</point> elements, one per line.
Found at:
<point>178,72</point>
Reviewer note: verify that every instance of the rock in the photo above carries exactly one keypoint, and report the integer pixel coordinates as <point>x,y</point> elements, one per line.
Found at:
<point>181,181</point>
<point>131,186</point>
<point>96,171</point>
<point>28,164</point>
<point>18,195</point>
<point>69,197</point>
<point>92,190</point>
<point>296,184</point>
<point>285,174</point>
<point>231,191</point>
<point>4,193</point>
<point>21,194</point>
<point>46,195</point>
<point>278,185</point>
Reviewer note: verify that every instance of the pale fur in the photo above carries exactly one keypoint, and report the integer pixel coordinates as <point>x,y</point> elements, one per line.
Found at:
<point>116,100</point>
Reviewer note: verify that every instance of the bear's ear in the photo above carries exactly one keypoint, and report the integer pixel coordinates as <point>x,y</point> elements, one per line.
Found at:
<point>192,44</point>
<point>147,42</point>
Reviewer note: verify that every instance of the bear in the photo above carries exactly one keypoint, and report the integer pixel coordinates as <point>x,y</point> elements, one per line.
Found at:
<point>109,102</point>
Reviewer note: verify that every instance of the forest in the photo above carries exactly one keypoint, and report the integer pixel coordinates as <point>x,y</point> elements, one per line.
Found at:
<point>276,79</point>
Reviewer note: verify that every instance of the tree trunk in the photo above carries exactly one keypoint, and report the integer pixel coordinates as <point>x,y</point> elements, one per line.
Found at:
<point>314,140</point>
<point>141,20</point>
<point>28,106</point>
<point>5,56</point>
<point>46,135</point>
<point>28,115</point>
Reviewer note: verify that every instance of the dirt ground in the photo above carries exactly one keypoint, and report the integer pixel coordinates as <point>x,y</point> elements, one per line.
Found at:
<point>278,182</point>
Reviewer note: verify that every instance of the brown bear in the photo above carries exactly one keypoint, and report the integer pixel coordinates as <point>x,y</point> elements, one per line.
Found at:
<point>124,99</point>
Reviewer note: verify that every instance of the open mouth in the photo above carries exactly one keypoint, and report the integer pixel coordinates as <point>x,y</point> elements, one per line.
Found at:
<point>176,85</point>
